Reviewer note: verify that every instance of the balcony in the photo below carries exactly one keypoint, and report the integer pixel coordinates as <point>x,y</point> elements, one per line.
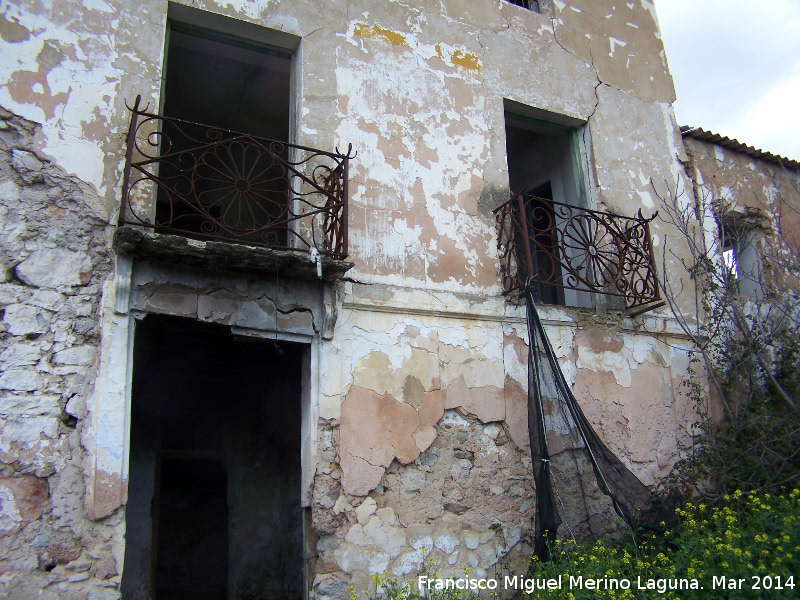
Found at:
<point>550,245</point>
<point>224,199</point>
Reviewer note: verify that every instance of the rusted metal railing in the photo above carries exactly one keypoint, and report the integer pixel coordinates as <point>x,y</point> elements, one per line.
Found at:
<point>548,243</point>
<point>210,183</point>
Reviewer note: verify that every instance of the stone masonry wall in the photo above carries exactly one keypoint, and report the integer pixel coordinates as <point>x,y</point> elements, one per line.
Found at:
<point>53,260</point>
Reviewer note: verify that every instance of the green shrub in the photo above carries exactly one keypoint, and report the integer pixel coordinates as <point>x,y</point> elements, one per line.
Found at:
<point>750,540</point>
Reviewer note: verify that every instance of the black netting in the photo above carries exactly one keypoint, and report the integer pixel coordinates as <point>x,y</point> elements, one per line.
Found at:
<point>555,418</point>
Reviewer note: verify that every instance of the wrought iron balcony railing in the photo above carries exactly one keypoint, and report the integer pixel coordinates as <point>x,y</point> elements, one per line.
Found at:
<point>209,183</point>
<point>548,243</point>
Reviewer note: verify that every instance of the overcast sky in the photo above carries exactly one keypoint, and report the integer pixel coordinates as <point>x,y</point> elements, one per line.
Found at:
<point>736,67</point>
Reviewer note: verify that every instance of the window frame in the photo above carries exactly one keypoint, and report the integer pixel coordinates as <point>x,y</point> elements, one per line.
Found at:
<point>531,5</point>
<point>738,240</point>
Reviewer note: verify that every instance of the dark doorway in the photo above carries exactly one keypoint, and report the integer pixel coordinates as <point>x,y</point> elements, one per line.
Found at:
<point>544,165</point>
<point>214,480</point>
<point>221,184</point>
<point>227,82</point>
<point>192,527</point>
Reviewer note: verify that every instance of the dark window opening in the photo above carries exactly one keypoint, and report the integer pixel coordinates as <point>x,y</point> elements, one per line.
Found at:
<point>226,189</point>
<point>529,4</point>
<point>544,167</point>
<point>214,506</point>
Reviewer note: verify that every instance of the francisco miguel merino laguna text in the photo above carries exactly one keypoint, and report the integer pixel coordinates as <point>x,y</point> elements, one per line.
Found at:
<point>526,584</point>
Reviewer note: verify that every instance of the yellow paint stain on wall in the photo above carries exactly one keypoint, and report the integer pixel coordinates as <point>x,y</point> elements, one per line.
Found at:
<point>466,60</point>
<point>378,32</point>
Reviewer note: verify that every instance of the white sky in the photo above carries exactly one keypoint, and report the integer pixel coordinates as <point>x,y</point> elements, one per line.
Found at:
<point>736,67</point>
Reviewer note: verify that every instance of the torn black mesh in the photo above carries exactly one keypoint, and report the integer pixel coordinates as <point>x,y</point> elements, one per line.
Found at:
<point>552,406</point>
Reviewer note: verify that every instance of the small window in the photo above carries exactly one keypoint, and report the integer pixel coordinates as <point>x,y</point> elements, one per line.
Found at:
<point>740,257</point>
<point>529,4</point>
<point>729,258</point>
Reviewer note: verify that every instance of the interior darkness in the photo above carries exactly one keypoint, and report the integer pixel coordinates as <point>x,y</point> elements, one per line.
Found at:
<point>236,85</point>
<point>214,480</point>
<point>230,84</point>
<point>534,157</point>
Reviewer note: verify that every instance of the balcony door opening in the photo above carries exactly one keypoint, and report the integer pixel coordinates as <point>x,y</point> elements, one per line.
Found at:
<point>214,494</point>
<point>544,168</point>
<point>223,185</point>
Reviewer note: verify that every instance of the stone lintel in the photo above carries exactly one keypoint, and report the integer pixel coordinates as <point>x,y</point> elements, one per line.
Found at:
<point>225,256</point>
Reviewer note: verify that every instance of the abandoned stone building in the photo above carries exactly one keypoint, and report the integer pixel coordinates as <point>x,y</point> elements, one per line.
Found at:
<point>269,364</point>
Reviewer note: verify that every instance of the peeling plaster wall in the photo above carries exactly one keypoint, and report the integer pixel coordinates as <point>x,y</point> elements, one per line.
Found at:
<point>415,430</point>
<point>408,363</point>
<point>68,66</point>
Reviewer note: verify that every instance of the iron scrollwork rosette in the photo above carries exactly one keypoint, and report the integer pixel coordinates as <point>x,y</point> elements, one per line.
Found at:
<point>549,243</point>
<point>210,183</point>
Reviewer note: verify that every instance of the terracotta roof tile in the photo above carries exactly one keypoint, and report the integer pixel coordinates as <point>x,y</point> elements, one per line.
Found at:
<point>709,136</point>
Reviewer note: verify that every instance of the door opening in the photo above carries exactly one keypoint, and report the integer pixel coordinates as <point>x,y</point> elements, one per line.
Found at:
<point>230,185</point>
<point>544,165</point>
<point>214,505</point>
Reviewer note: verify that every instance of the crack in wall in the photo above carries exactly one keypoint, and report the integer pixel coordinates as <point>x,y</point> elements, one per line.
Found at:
<point>590,64</point>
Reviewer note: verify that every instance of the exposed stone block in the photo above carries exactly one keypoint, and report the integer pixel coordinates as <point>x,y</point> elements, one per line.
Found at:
<point>56,267</point>
<point>28,430</point>
<point>23,319</point>
<point>29,405</point>
<point>12,293</point>
<point>27,164</point>
<point>408,563</point>
<point>22,500</point>
<point>47,299</point>
<point>19,354</point>
<point>366,510</point>
<point>446,543</point>
<point>331,586</point>
<point>77,355</point>
<point>103,594</point>
<point>20,380</point>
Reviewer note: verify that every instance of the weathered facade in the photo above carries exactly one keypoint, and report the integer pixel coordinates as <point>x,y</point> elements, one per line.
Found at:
<point>337,420</point>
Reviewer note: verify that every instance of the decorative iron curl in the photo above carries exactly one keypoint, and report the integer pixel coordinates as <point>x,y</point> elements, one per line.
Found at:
<point>214,183</point>
<point>550,243</point>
